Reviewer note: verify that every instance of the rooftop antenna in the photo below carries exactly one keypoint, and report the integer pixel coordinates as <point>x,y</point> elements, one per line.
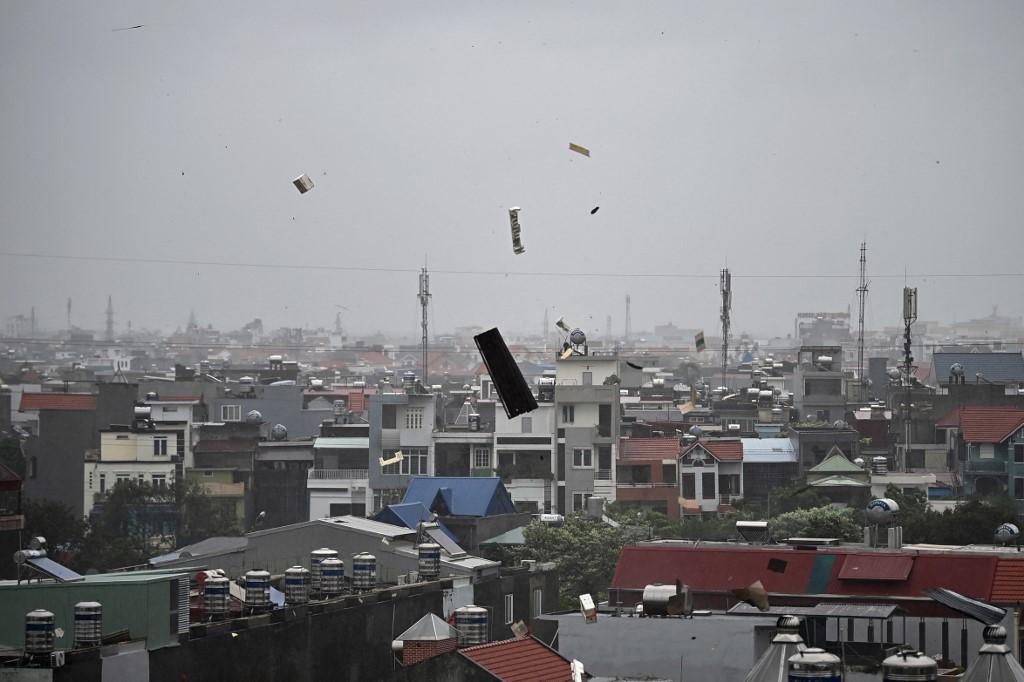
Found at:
<point>69,312</point>
<point>726,286</point>
<point>909,318</point>
<point>862,296</point>
<point>32,324</point>
<point>424,297</point>
<point>110,319</point>
<point>545,333</point>
<point>628,325</point>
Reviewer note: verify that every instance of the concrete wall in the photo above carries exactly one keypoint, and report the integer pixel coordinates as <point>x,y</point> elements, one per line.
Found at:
<point>59,451</point>
<point>470,531</point>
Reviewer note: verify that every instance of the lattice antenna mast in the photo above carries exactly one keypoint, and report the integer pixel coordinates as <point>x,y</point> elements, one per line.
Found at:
<point>862,297</point>
<point>424,297</point>
<point>726,287</point>
<point>110,319</point>
<point>628,322</point>
<point>909,318</point>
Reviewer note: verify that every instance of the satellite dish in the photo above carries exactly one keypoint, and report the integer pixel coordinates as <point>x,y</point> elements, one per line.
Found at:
<point>696,431</point>
<point>956,369</point>
<point>577,337</point>
<point>881,511</point>
<point>279,432</point>
<point>893,373</point>
<point>1007,533</point>
<point>254,417</point>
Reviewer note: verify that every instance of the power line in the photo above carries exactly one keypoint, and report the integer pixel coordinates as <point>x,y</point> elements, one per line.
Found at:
<point>493,272</point>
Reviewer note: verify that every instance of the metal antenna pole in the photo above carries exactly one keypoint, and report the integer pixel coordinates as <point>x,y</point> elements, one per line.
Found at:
<point>862,295</point>
<point>726,287</point>
<point>424,297</point>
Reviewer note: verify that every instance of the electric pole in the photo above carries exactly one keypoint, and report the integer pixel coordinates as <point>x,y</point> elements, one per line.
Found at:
<point>726,287</point>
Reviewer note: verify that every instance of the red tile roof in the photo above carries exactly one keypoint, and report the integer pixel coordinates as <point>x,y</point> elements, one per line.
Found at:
<point>57,401</point>
<point>724,450</point>
<point>984,424</point>
<point>649,448</point>
<point>1008,583</point>
<point>9,480</point>
<point>520,660</point>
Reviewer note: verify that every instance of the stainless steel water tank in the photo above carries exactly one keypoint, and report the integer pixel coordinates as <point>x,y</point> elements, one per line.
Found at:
<point>429,560</point>
<point>38,632</point>
<point>332,570</point>
<point>216,594</point>
<point>296,585</point>
<point>88,624</point>
<point>315,557</point>
<point>364,571</point>
<point>257,589</point>
<point>471,622</point>
<point>909,666</point>
<point>815,664</point>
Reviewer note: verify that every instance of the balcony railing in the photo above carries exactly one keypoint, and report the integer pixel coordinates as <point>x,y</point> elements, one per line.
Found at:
<point>985,466</point>
<point>603,475</point>
<point>338,474</point>
<point>622,484</point>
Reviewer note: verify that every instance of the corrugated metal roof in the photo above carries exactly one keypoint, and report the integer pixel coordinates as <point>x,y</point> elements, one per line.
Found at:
<point>976,609</point>
<point>768,450</point>
<point>980,424</point>
<point>860,567</point>
<point>342,443</point>
<point>820,610</point>
<point>992,666</point>
<point>1008,584</point>
<point>835,463</point>
<point>998,368</point>
<point>57,401</point>
<point>462,495</point>
<point>520,660</point>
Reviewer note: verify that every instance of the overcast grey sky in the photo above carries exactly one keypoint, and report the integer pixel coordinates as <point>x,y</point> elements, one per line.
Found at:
<point>771,136</point>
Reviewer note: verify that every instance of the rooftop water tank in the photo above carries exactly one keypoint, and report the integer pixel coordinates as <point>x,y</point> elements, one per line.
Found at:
<point>257,589</point>
<point>429,564</point>
<point>879,465</point>
<point>216,593</point>
<point>1007,533</point>
<point>881,511</point>
<point>38,632</point>
<point>364,571</point>
<point>296,585</point>
<point>88,624</point>
<point>909,665</point>
<point>253,417</point>
<point>815,664</point>
<point>666,600</point>
<point>471,622</point>
<point>332,572</point>
<point>316,557</point>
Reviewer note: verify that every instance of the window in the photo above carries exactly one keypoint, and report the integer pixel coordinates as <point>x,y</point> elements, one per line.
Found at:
<point>568,414</point>
<point>508,609</point>
<point>527,424</point>
<point>707,484</point>
<point>123,478</point>
<point>121,436</point>
<point>169,409</point>
<point>103,483</point>
<point>481,458</point>
<point>231,413</point>
<point>1018,453</point>
<point>579,501</point>
<point>582,458</point>
<point>689,487</point>
<point>415,462</point>
<point>538,602</point>
<point>160,446</point>
<point>390,469</point>
<point>388,418</point>
<point>414,417</point>
<point>33,466</point>
<point>1018,488</point>
<point>604,420</point>
<point>588,378</point>
<point>159,480</point>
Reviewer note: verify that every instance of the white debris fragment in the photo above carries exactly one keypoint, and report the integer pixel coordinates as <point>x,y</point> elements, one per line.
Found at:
<point>303,183</point>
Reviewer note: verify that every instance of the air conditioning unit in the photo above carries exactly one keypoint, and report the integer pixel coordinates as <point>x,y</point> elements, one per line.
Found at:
<point>56,659</point>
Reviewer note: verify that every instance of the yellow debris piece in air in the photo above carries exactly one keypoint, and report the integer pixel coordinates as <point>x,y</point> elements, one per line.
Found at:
<point>579,149</point>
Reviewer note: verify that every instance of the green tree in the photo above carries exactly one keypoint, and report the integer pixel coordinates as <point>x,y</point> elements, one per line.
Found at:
<point>11,455</point>
<point>62,527</point>
<point>201,516</point>
<point>612,380</point>
<point>820,522</point>
<point>584,551</point>
<point>128,526</point>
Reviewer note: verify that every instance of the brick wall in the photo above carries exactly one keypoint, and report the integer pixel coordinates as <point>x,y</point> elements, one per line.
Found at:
<point>415,651</point>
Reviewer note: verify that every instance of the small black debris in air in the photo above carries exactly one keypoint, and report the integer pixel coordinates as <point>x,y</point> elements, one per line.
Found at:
<point>127,28</point>
<point>594,210</point>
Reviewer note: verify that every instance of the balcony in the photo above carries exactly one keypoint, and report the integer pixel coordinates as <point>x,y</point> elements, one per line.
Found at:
<point>984,466</point>
<point>337,478</point>
<point>621,484</point>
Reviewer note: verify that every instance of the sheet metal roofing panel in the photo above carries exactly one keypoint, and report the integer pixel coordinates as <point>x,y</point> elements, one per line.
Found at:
<point>520,660</point>
<point>994,667</point>
<point>342,443</point>
<point>768,450</point>
<point>429,628</point>
<point>820,610</point>
<point>999,368</point>
<point>463,495</point>
<point>978,610</point>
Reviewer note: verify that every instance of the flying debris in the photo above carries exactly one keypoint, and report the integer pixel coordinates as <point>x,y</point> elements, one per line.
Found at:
<point>517,244</point>
<point>303,183</point>
<point>129,28</point>
<point>699,341</point>
<point>516,396</point>
<point>579,149</point>
<point>395,459</point>
<point>595,210</point>
<point>755,595</point>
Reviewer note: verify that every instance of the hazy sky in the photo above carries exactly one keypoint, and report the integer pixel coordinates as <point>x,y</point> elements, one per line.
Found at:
<point>770,136</point>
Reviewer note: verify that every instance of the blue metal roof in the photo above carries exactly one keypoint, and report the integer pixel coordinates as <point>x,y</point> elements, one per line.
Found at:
<point>998,368</point>
<point>461,496</point>
<point>408,515</point>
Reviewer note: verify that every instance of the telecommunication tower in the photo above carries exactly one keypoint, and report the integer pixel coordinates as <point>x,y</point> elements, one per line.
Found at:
<point>725,284</point>
<point>424,297</point>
